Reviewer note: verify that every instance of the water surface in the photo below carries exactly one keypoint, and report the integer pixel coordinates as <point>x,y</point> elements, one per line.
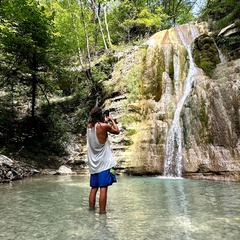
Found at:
<point>138,208</point>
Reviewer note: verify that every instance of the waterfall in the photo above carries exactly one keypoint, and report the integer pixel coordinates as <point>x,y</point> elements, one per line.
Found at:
<point>173,151</point>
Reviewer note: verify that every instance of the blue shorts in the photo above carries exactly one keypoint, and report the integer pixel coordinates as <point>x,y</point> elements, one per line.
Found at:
<point>102,179</point>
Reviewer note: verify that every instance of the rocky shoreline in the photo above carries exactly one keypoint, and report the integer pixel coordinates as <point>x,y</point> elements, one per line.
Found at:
<point>14,170</point>
<point>11,170</point>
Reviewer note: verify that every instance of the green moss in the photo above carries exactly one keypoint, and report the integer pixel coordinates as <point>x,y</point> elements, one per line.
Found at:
<point>209,139</point>
<point>205,54</point>
<point>130,132</point>
<point>208,86</point>
<point>171,69</point>
<point>203,117</point>
<point>197,58</point>
<point>130,118</point>
<point>151,85</point>
<point>186,130</point>
<point>236,107</point>
<point>158,89</point>
<point>127,142</point>
<point>134,76</point>
<point>206,46</point>
<point>207,67</point>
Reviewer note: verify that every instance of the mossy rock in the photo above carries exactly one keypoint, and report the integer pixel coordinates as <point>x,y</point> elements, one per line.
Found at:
<point>207,67</point>
<point>205,53</point>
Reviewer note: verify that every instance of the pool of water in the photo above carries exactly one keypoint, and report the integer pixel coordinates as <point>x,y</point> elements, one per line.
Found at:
<point>138,208</point>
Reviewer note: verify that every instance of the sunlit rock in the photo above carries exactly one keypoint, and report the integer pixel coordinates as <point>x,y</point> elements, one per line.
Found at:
<point>65,170</point>
<point>231,29</point>
<point>152,79</point>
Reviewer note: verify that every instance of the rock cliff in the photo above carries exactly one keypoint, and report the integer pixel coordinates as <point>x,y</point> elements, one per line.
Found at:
<point>147,85</point>
<point>211,124</point>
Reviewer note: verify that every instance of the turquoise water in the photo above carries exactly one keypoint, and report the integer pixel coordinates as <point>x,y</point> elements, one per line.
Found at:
<point>138,208</point>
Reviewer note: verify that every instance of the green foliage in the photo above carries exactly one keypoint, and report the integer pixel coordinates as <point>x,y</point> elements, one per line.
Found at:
<point>130,132</point>
<point>68,32</point>
<point>145,22</point>
<point>25,37</point>
<point>103,69</point>
<point>222,12</point>
<point>82,110</point>
<point>49,55</point>
<point>52,127</point>
<point>184,15</point>
<point>132,20</point>
<point>230,45</point>
<point>178,11</point>
<point>7,116</point>
<point>130,118</point>
<point>44,142</point>
<point>127,142</point>
<point>25,31</point>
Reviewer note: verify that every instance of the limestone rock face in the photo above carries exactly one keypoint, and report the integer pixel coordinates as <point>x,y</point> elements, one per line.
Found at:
<point>231,29</point>
<point>146,86</point>
<point>211,122</point>
<point>152,80</point>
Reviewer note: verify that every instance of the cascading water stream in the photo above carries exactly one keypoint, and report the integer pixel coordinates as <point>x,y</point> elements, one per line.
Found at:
<point>173,152</point>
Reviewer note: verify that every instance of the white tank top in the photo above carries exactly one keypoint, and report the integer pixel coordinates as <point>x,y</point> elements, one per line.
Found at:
<point>99,155</point>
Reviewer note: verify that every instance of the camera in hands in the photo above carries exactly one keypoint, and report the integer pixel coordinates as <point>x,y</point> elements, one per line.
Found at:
<point>106,113</point>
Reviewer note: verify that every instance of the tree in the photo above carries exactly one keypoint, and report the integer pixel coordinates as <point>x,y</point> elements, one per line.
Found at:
<point>222,13</point>
<point>133,19</point>
<point>96,9</point>
<point>179,11</point>
<point>25,37</point>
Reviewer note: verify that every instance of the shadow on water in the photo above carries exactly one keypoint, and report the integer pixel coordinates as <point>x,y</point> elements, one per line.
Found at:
<point>138,208</point>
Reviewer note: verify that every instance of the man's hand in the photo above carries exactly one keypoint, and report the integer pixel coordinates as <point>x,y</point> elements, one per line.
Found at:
<point>114,129</point>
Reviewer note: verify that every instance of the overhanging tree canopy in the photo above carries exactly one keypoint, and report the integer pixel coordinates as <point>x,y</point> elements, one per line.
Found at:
<point>25,38</point>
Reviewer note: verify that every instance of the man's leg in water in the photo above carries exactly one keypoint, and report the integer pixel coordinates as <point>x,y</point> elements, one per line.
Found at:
<point>92,198</point>
<point>103,199</point>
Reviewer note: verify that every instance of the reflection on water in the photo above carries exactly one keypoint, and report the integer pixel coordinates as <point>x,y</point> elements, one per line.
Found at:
<point>138,208</point>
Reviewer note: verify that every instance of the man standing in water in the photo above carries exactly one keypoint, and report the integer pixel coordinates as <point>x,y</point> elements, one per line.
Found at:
<point>100,158</point>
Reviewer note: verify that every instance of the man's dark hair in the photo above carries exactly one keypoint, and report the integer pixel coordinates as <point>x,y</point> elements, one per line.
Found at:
<point>96,115</point>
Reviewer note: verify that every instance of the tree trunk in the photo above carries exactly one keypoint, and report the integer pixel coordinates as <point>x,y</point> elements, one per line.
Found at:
<point>106,24</point>
<point>99,23</point>
<point>34,87</point>
<point>76,33</point>
<point>86,34</point>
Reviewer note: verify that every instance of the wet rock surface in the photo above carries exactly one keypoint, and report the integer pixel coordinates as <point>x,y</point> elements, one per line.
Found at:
<point>209,118</point>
